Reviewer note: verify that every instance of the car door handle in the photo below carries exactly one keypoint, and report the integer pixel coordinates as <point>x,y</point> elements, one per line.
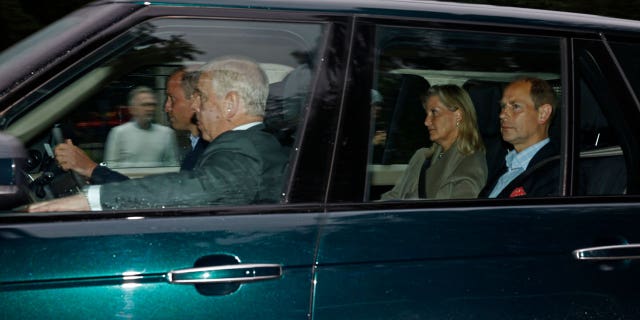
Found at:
<point>615,252</point>
<point>235,273</point>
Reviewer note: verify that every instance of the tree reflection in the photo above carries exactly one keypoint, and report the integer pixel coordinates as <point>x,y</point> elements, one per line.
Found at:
<point>146,49</point>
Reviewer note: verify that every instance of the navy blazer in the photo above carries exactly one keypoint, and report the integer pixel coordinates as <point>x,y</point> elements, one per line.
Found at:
<point>189,161</point>
<point>541,179</point>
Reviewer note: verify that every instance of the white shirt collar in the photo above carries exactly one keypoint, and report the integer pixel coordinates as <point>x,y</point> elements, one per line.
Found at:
<point>247,126</point>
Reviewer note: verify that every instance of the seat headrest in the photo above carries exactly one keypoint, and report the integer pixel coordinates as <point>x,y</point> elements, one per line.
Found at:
<point>486,96</point>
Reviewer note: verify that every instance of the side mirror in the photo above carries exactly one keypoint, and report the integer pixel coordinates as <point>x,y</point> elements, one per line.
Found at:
<point>13,185</point>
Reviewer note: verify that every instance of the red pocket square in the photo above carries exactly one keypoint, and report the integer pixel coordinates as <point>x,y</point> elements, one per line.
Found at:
<point>517,192</point>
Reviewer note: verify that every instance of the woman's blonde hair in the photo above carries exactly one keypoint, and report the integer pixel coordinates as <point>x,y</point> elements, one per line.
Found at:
<point>455,98</point>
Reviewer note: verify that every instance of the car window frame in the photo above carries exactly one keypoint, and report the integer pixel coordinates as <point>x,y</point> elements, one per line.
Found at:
<point>300,194</point>
<point>343,192</point>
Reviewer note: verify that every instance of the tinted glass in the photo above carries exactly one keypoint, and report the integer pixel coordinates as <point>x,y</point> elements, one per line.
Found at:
<point>628,54</point>
<point>93,104</point>
<point>601,163</point>
<point>602,168</point>
<point>409,61</point>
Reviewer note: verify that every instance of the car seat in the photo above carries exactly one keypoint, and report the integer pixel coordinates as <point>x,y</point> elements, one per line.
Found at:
<point>486,96</point>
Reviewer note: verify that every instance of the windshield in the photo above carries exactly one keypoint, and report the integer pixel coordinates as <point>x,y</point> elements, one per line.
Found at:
<point>26,59</point>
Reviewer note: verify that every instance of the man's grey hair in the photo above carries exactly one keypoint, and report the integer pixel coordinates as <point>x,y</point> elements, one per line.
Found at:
<point>138,90</point>
<point>242,75</point>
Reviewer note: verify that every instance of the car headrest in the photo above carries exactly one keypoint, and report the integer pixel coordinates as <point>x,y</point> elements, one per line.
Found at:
<point>486,96</point>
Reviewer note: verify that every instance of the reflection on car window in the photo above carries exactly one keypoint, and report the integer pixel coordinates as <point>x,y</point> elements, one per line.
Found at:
<point>409,61</point>
<point>93,106</point>
<point>287,51</point>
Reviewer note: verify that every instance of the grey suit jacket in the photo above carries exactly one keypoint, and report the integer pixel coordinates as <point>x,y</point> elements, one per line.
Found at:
<point>238,167</point>
<point>453,175</point>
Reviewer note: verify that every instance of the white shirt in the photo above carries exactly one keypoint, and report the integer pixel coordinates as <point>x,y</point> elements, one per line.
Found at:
<point>129,145</point>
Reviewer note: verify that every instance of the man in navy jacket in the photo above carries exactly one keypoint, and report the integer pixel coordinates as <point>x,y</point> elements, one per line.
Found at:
<point>532,168</point>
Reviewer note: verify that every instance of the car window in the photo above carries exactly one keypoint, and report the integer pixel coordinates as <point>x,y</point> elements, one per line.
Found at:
<point>602,168</point>
<point>409,61</point>
<point>92,103</point>
<point>628,55</point>
<point>604,149</point>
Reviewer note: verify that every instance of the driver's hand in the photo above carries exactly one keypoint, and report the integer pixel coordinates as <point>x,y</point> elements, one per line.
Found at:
<point>76,202</point>
<point>70,157</point>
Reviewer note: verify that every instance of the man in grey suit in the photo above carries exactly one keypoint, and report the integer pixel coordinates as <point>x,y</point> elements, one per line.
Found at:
<point>243,164</point>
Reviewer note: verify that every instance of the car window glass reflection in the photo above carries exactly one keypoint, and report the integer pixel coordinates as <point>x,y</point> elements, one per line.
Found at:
<point>122,118</point>
<point>412,61</point>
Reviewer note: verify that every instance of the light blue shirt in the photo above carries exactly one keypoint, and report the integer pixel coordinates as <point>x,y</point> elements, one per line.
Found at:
<point>517,163</point>
<point>194,141</point>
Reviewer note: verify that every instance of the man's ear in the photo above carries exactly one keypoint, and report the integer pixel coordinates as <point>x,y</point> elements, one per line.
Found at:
<point>544,113</point>
<point>195,107</point>
<point>231,104</point>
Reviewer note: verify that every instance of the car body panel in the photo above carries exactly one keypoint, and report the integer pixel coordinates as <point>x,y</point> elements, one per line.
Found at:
<point>118,267</point>
<point>510,262</point>
<point>342,254</point>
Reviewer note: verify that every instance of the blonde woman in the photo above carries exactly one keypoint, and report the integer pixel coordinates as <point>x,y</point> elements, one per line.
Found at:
<point>455,165</point>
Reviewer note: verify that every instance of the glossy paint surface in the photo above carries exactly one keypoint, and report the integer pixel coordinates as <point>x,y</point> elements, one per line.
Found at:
<point>421,9</point>
<point>462,260</point>
<point>117,268</point>
<point>496,263</point>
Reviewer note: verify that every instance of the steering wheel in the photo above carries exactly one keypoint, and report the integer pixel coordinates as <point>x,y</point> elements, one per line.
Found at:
<point>51,181</point>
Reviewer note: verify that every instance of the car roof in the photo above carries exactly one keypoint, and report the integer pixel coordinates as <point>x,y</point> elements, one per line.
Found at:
<point>476,13</point>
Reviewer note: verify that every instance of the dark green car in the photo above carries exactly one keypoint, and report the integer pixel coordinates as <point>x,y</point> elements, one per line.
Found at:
<point>345,84</point>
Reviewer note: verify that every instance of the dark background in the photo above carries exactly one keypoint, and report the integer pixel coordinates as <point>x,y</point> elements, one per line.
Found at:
<point>20,18</point>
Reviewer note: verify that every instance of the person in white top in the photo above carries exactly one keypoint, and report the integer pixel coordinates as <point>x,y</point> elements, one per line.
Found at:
<point>141,143</point>
<point>243,163</point>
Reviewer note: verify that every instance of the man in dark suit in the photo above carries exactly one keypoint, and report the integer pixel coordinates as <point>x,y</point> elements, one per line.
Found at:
<point>532,168</point>
<point>180,87</point>
<point>243,163</point>
<point>179,90</point>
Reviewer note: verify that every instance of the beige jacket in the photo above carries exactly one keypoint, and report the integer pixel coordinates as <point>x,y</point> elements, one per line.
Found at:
<point>451,175</point>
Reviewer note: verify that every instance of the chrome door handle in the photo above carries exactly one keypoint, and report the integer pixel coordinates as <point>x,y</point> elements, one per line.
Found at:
<point>616,252</point>
<point>235,273</point>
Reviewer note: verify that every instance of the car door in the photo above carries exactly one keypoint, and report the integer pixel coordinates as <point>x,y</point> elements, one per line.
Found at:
<point>143,267</point>
<point>247,261</point>
<point>565,257</point>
